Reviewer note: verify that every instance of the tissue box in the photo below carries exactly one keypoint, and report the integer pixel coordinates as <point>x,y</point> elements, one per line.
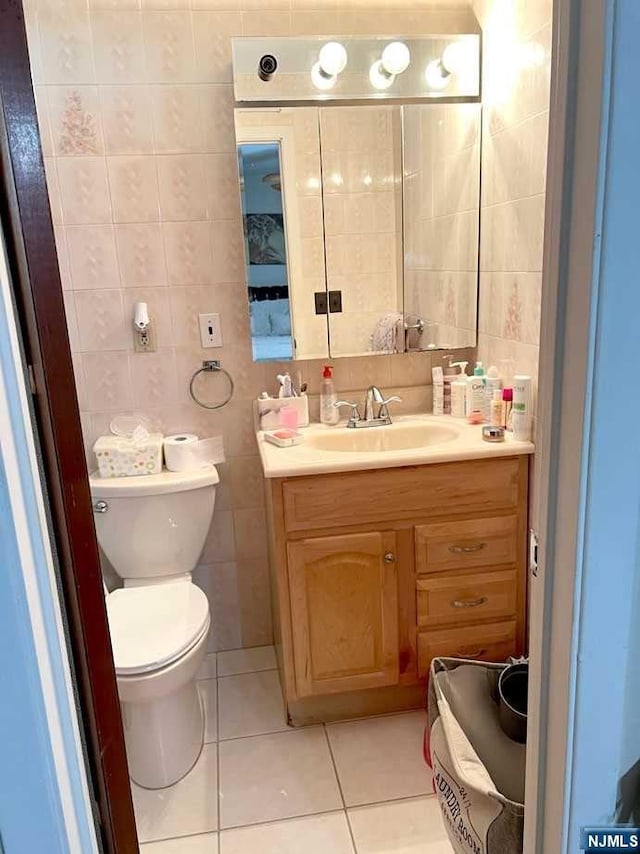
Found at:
<point>119,456</point>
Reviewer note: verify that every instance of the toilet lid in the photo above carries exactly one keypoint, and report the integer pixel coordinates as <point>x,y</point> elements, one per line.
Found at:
<point>151,626</point>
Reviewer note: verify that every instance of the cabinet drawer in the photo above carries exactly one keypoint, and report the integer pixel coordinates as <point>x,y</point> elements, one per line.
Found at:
<point>462,545</point>
<point>364,497</point>
<point>491,642</point>
<point>463,598</point>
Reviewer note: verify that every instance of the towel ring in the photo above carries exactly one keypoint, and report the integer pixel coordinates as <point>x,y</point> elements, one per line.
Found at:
<point>208,367</point>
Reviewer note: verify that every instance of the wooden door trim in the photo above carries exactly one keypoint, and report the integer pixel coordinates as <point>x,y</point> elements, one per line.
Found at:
<point>35,279</point>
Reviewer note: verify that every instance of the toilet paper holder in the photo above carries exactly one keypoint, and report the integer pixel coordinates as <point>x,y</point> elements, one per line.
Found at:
<point>210,366</point>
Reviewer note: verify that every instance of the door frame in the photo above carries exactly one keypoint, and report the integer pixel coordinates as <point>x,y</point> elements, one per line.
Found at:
<point>40,313</point>
<point>579,119</point>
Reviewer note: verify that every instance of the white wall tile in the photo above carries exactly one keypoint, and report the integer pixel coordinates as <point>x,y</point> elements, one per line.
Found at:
<point>126,119</point>
<point>141,259</point>
<point>182,182</point>
<point>169,46</point>
<point>117,44</point>
<point>176,119</point>
<point>101,321</point>
<point>84,191</point>
<point>107,381</point>
<point>92,257</point>
<point>65,44</point>
<point>133,183</point>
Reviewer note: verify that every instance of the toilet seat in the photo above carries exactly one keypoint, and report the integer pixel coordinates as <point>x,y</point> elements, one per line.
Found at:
<point>154,625</point>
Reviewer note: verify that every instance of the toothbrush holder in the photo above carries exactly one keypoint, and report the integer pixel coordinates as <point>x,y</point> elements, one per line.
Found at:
<point>267,411</point>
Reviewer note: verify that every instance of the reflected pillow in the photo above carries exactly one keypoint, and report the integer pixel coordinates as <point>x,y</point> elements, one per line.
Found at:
<point>279,316</point>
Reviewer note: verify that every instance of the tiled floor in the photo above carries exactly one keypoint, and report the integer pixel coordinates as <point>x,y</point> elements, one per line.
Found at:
<point>261,787</point>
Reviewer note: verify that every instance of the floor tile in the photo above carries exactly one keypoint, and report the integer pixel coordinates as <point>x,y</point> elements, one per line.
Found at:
<point>206,843</point>
<point>209,667</point>
<point>380,759</point>
<point>270,777</point>
<point>209,692</point>
<point>401,827</point>
<point>189,807</point>
<point>322,834</point>
<point>251,704</point>
<point>246,660</point>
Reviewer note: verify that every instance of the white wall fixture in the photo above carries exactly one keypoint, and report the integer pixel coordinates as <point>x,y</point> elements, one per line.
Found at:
<point>395,59</point>
<point>436,75</point>
<point>332,61</point>
<point>143,334</point>
<point>356,67</point>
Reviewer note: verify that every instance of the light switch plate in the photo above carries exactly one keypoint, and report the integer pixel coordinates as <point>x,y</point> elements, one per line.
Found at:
<point>210,330</point>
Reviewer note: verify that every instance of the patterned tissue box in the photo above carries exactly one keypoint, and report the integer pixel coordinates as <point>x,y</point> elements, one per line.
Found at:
<point>119,456</point>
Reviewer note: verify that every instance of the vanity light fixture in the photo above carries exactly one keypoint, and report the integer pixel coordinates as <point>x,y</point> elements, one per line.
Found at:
<point>332,61</point>
<point>436,75</point>
<point>395,59</point>
<point>457,58</point>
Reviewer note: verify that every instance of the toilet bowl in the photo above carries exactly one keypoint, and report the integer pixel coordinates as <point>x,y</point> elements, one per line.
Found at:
<point>152,529</point>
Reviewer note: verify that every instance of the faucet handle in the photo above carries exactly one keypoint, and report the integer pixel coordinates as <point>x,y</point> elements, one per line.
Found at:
<point>355,413</point>
<point>384,411</point>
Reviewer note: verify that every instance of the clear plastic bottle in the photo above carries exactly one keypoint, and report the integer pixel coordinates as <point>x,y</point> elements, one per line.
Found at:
<point>495,414</point>
<point>328,412</point>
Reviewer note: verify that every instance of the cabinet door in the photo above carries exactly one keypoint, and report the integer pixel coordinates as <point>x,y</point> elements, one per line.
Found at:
<point>344,612</point>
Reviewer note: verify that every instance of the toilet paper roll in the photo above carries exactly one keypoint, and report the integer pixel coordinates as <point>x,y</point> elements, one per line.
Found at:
<point>185,451</point>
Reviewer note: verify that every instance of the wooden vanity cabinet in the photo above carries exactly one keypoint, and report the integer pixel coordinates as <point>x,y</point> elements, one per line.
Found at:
<point>376,572</point>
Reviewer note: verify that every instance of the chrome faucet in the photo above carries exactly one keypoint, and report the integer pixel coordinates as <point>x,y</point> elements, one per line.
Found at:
<point>373,398</point>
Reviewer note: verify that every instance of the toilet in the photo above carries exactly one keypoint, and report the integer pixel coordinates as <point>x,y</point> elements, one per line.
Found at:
<point>152,530</point>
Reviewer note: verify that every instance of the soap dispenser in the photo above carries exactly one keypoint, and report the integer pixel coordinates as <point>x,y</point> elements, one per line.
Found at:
<point>459,390</point>
<point>328,411</point>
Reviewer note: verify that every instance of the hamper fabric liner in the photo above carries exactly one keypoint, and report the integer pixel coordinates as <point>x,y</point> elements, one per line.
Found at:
<point>478,771</point>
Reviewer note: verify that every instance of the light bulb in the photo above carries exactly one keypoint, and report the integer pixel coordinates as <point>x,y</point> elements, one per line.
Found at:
<point>457,56</point>
<point>379,77</point>
<point>396,57</point>
<point>436,75</point>
<point>332,58</point>
<point>320,78</point>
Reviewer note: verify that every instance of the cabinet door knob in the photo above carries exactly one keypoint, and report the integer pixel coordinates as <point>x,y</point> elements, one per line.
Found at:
<point>389,557</point>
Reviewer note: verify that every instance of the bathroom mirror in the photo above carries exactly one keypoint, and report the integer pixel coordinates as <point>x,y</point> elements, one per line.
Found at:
<point>281,193</point>
<point>361,226</point>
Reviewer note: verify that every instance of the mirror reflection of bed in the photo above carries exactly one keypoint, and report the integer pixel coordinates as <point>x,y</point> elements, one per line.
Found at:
<point>265,249</point>
<point>270,322</point>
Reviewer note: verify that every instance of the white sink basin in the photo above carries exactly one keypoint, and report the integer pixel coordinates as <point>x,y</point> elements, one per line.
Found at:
<point>395,437</point>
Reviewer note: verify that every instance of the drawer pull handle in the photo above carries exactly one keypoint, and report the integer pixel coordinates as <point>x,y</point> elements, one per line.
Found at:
<point>472,653</point>
<point>469,603</point>
<point>467,550</point>
<point>389,557</point>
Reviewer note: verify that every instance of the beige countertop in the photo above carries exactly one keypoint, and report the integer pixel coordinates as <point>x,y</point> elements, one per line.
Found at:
<point>432,439</point>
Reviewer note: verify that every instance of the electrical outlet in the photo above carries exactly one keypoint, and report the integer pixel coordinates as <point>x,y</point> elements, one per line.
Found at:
<point>145,342</point>
<point>210,330</point>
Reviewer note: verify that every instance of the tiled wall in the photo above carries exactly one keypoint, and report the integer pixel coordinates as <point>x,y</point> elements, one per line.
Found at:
<point>516,73</point>
<point>442,194</point>
<point>136,110</point>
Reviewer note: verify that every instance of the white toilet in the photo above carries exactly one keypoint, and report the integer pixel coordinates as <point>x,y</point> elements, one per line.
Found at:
<point>152,530</point>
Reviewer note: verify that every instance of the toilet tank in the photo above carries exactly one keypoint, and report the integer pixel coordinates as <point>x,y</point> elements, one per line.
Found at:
<point>154,526</point>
